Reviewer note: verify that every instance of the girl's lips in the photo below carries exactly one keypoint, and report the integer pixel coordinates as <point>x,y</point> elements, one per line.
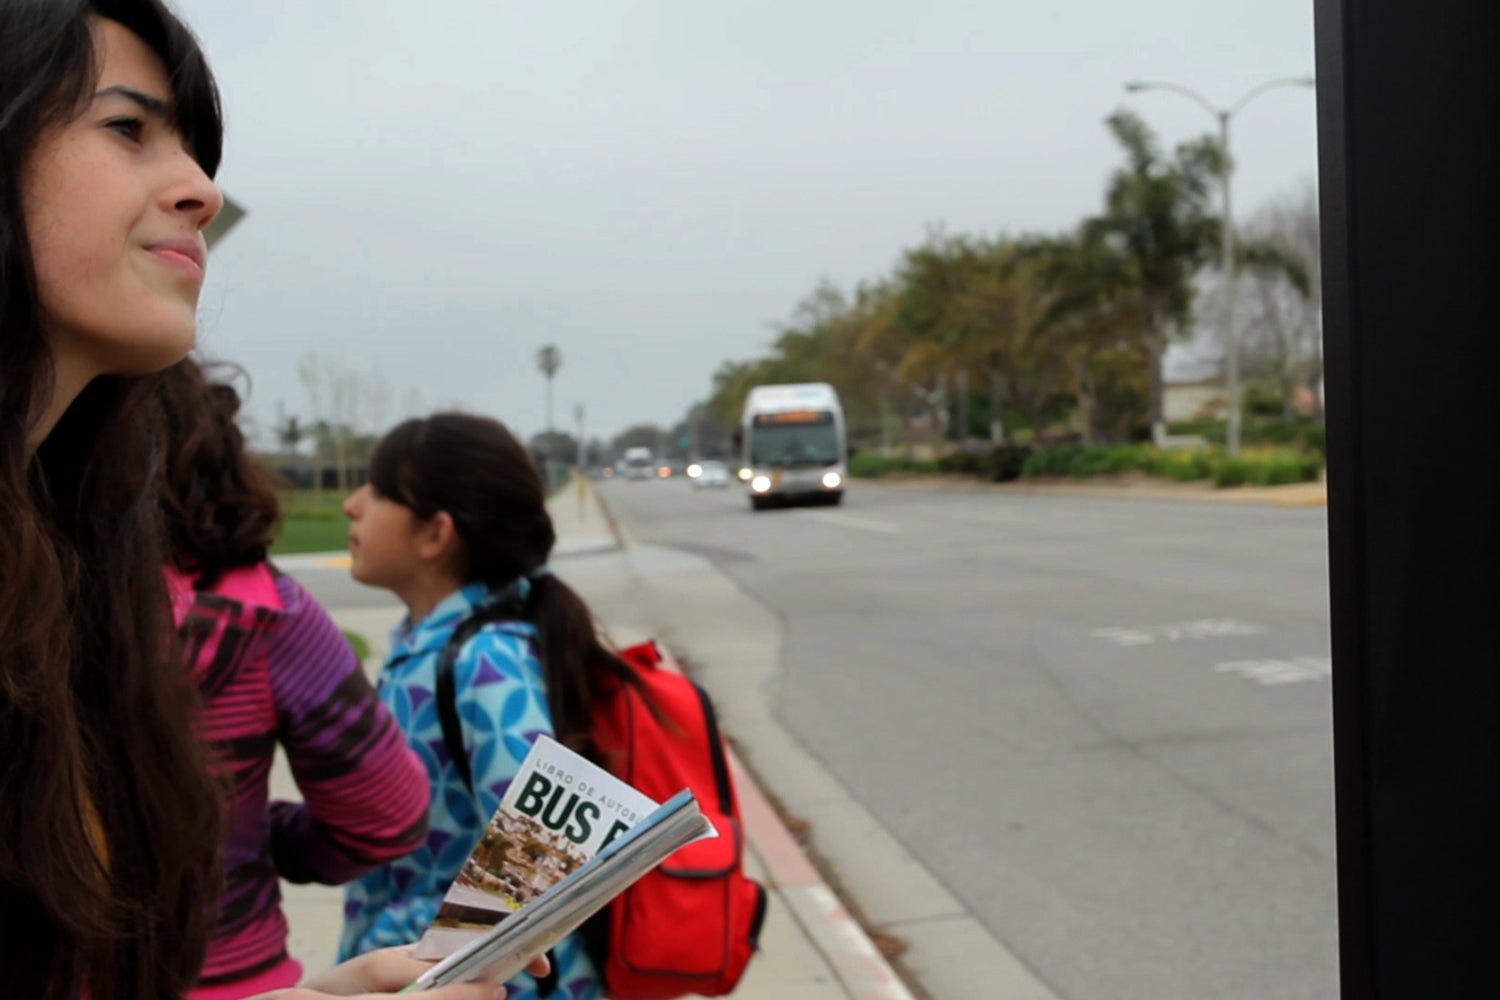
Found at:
<point>178,260</point>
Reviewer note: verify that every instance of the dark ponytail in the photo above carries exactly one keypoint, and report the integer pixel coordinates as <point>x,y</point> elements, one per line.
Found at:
<point>475,470</point>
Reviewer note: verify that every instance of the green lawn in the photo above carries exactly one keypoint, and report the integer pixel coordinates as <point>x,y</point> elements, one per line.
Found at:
<point>311,524</point>
<point>360,643</point>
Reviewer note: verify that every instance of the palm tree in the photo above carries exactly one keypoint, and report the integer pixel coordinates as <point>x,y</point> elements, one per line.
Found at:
<point>1157,214</point>
<point>549,360</point>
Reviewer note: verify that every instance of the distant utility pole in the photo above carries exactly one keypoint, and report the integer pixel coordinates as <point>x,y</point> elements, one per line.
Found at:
<point>548,361</point>
<point>579,459</point>
<point>1226,231</point>
<point>582,458</point>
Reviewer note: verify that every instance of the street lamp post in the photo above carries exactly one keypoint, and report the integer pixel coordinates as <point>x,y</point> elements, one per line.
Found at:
<point>1226,237</point>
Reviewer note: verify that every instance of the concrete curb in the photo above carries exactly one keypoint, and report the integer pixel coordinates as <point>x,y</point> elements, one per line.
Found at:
<point>861,969</point>
<point>830,927</point>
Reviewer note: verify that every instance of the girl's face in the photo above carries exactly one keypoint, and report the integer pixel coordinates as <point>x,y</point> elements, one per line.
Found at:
<point>384,541</point>
<point>115,209</point>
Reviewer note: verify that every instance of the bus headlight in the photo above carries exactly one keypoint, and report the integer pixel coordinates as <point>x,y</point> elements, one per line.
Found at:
<point>831,480</point>
<point>745,474</point>
<point>760,484</point>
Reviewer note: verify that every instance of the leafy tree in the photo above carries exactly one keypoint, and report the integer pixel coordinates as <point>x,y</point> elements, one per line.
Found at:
<point>638,436</point>
<point>556,446</point>
<point>290,433</point>
<point>1284,334</point>
<point>730,385</point>
<point>1157,214</point>
<point>936,353</point>
<point>1089,321</point>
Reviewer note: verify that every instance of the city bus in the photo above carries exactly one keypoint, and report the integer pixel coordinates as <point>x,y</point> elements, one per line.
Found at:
<point>792,444</point>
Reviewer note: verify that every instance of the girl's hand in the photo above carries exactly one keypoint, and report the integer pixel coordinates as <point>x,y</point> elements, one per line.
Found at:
<point>379,975</point>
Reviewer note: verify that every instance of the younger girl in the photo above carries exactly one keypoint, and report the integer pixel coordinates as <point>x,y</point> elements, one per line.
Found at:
<point>454,522</point>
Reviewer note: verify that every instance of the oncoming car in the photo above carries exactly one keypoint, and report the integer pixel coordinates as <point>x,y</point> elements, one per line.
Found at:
<point>711,475</point>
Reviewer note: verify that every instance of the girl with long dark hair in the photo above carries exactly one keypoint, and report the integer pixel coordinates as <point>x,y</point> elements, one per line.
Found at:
<point>109,814</point>
<point>454,522</point>
<point>272,670</point>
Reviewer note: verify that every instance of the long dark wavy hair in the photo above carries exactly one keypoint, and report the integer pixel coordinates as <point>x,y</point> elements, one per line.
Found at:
<point>109,817</point>
<point>474,469</point>
<point>219,503</point>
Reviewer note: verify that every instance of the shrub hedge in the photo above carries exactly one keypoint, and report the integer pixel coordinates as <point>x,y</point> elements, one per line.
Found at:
<point>1262,465</point>
<point>869,464</point>
<point>1307,435</point>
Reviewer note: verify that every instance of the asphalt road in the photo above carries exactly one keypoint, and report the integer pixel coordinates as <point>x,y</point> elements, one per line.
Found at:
<point>1103,723</point>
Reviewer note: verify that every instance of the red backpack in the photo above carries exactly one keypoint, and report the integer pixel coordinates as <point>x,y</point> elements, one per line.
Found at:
<point>690,925</point>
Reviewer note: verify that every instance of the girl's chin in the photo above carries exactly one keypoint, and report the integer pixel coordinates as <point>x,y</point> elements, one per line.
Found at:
<point>146,357</point>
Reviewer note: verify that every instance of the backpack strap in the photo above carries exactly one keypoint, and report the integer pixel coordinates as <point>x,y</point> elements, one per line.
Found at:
<point>446,694</point>
<point>447,701</point>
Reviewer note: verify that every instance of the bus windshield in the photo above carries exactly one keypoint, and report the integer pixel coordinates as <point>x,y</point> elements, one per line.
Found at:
<point>794,439</point>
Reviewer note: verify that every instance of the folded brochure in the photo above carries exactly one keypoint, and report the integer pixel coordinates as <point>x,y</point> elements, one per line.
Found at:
<point>565,827</point>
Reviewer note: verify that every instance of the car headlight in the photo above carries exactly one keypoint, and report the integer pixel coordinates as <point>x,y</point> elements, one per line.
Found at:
<point>694,471</point>
<point>831,480</point>
<point>745,474</point>
<point>760,484</point>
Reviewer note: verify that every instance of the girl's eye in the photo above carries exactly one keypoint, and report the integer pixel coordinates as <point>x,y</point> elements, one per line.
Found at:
<point>130,128</point>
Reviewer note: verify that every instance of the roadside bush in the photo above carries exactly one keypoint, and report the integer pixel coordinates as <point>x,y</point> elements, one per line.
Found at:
<point>1262,466</point>
<point>1305,434</point>
<point>1180,465</point>
<point>1308,435</point>
<point>1262,401</point>
<point>1231,472</point>
<point>1108,460</point>
<point>1051,461</point>
<point>1010,460</point>
<point>997,464</point>
<point>971,463</point>
<point>869,464</point>
<point>1266,467</point>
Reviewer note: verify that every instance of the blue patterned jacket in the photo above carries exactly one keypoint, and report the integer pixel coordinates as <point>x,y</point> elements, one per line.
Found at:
<point>502,703</point>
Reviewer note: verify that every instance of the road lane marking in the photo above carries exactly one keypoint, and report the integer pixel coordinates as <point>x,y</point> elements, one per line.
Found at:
<point>1295,670</point>
<point>1202,628</point>
<point>1265,671</point>
<point>846,521</point>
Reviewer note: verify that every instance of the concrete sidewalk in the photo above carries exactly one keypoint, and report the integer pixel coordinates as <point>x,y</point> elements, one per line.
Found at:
<point>810,946</point>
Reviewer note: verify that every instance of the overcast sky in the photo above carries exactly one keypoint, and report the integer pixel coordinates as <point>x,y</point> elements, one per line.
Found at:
<point>436,190</point>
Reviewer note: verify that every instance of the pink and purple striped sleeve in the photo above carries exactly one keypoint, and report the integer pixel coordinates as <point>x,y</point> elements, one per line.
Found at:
<point>365,792</point>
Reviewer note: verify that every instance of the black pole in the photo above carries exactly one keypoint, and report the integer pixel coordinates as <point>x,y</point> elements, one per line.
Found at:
<point>1407,106</point>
